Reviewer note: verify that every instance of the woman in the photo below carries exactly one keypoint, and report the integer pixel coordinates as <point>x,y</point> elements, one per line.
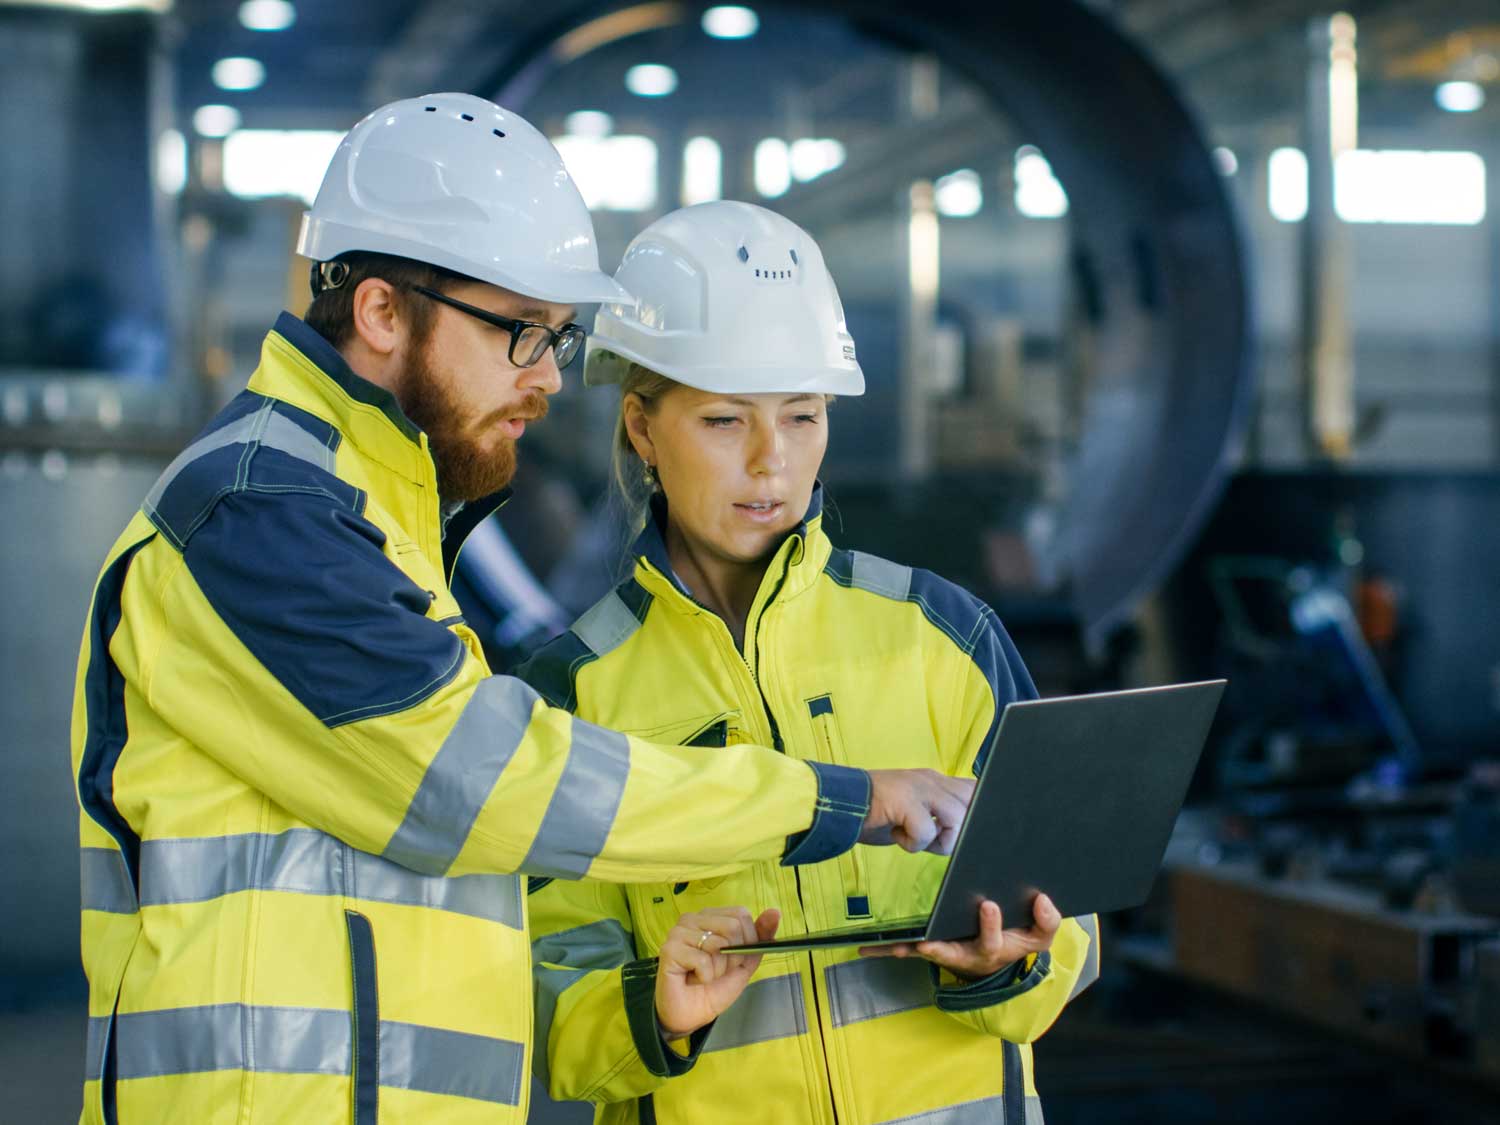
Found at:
<point>742,622</point>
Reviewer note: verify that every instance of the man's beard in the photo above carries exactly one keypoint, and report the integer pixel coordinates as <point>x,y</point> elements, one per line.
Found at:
<point>469,464</point>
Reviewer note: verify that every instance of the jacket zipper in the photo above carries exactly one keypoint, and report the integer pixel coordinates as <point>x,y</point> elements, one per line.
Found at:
<point>779,747</point>
<point>796,872</point>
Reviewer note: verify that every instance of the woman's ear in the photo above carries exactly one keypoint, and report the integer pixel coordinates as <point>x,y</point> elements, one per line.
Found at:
<point>638,427</point>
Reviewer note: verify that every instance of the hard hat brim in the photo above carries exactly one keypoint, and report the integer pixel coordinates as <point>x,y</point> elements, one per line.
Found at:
<point>321,240</point>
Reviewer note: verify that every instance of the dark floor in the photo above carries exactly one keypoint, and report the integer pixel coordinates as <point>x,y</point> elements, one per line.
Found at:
<point>1138,1049</point>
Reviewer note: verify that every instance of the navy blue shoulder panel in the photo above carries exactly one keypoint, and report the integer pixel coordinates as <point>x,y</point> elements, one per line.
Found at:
<point>301,580</point>
<point>552,670</point>
<point>280,548</point>
<point>966,620</point>
<point>255,441</point>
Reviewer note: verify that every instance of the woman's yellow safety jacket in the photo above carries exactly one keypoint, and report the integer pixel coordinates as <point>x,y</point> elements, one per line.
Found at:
<point>303,794</point>
<point>847,659</point>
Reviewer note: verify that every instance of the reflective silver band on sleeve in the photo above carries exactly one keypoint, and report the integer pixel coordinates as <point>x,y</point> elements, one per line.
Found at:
<point>583,805</point>
<point>461,776</point>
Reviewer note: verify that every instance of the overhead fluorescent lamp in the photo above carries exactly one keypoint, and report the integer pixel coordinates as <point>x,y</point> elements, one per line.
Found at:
<point>1460,97</point>
<point>589,123</point>
<point>238,73</point>
<point>267,15</point>
<point>729,21</point>
<point>216,120</point>
<point>650,80</point>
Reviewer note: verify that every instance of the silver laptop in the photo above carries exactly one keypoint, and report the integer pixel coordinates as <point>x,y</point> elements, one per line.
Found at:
<point>1077,798</point>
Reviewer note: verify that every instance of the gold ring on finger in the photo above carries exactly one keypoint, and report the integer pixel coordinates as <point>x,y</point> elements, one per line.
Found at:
<point>706,935</point>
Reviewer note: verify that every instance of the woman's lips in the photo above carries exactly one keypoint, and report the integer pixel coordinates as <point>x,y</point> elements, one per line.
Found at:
<point>761,511</point>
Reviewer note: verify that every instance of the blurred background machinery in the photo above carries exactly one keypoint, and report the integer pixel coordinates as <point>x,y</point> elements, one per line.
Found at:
<point>1181,323</point>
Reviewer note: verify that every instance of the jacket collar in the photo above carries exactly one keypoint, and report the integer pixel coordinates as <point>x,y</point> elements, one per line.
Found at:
<point>802,554</point>
<point>299,366</point>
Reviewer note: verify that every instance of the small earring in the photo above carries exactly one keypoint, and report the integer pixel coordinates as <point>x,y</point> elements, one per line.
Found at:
<point>648,474</point>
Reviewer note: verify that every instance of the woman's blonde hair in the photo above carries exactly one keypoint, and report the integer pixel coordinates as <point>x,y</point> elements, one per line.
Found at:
<point>625,464</point>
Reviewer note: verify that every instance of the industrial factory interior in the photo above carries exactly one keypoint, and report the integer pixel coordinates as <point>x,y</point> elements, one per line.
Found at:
<point>1179,331</point>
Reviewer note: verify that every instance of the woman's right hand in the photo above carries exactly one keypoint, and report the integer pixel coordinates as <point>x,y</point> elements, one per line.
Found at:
<point>695,983</point>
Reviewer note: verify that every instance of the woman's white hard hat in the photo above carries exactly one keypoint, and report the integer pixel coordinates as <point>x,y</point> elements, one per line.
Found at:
<point>455,181</point>
<point>729,298</point>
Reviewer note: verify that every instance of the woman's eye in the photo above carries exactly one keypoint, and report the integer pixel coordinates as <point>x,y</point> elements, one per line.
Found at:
<point>721,423</point>
<point>804,419</point>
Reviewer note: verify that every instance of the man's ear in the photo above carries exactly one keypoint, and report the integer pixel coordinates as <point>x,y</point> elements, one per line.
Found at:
<point>638,427</point>
<point>377,317</point>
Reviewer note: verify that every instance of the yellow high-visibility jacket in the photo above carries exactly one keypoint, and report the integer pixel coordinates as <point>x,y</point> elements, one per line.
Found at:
<point>847,659</point>
<point>304,797</point>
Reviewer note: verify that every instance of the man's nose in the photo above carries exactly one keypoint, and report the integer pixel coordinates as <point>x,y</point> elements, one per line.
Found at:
<point>543,375</point>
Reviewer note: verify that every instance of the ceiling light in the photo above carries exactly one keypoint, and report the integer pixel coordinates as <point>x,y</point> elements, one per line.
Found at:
<point>267,15</point>
<point>651,80</point>
<point>216,120</point>
<point>589,123</point>
<point>730,21</point>
<point>238,74</point>
<point>1460,97</point>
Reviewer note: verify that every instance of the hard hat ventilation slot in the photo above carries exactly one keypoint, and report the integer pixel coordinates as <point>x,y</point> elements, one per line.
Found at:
<point>794,258</point>
<point>497,132</point>
<point>430,108</point>
<point>743,254</point>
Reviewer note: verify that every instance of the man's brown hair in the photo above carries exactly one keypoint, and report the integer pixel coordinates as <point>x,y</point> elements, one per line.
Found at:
<point>331,314</point>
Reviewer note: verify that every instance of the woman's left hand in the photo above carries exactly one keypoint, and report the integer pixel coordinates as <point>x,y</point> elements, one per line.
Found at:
<point>991,951</point>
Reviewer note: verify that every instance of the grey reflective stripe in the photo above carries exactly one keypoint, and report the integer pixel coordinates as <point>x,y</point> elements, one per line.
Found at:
<point>306,861</point>
<point>601,945</point>
<point>284,434</point>
<point>880,576</point>
<point>607,625</point>
<point>232,434</point>
<point>306,1041</point>
<point>769,1009</point>
<point>227,1036</point>
<point>104,882</point>
<point>265,426</point>
<point>94,1044</point>
<point>985,1111</point>
<point>451,1062</point>
<point>1090,972</point>
<point>461,776</point>
<point>583,805</point>
<point>876,986</point>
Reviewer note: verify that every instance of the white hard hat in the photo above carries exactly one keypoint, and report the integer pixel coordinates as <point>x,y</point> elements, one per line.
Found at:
<point>732,298</point>
<point>455,181</point>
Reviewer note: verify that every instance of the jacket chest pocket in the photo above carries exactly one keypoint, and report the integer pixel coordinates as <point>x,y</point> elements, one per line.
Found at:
<point>828,744</point>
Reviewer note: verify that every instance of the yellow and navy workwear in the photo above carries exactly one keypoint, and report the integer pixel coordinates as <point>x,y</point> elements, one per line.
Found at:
<point>304,797</point>
<point>847,658</point>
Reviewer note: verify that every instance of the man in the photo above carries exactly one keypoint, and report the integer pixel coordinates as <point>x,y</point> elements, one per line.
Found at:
<point>305,799</point>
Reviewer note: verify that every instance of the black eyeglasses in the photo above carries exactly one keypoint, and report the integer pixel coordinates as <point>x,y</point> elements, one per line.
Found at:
<point>529,340</point>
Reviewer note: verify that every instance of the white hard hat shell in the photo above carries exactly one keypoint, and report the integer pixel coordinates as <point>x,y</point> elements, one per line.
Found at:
<point>457,182</point>
<point>729,298</point>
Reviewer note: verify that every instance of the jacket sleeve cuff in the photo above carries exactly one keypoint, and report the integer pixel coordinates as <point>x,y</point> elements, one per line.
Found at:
<point>639,982</point>
<point>838,815</point>
<point>1015,979</point>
